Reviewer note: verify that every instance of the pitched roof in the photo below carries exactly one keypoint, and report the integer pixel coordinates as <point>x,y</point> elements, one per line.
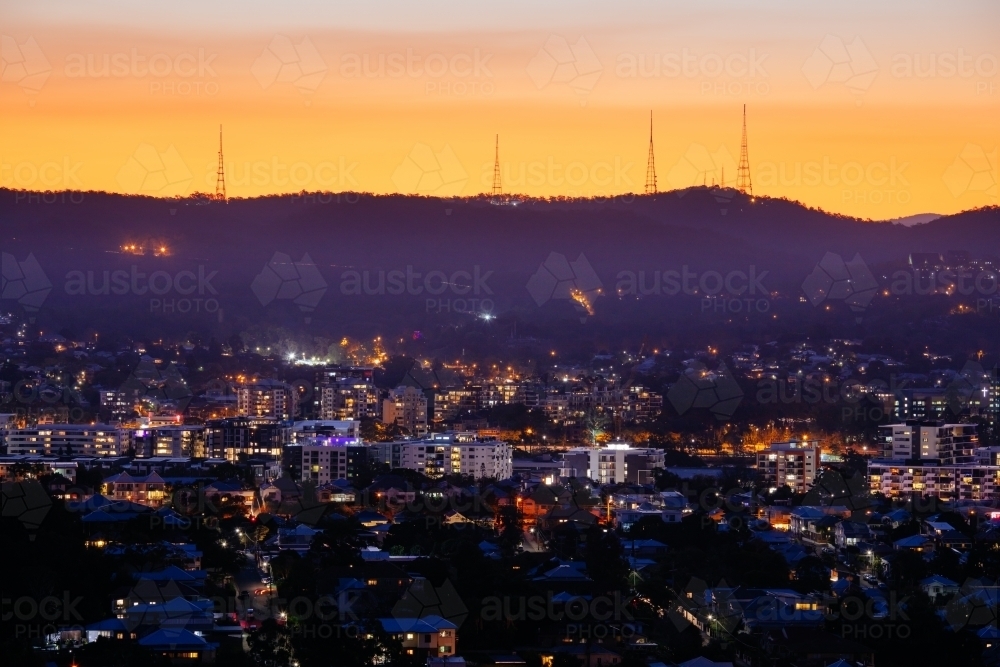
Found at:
<point>938,579</point>
<point>425,624</point>
<point>911,541</point>
<point>174,639</point>
<point>702,661</point>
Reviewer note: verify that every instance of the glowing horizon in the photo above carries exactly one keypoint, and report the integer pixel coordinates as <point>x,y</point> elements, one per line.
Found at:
<point>873,112</point>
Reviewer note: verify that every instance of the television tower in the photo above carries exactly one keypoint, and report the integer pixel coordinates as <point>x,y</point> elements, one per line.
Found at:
<point>497,196</point>
<point>743,183</point>
<point>650,166</point>
<point>220,175</point>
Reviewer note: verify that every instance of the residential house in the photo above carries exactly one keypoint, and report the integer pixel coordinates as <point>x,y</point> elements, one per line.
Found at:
<point>149,490</point>
<point>424,637</point>
<point>917,543</point>
<point>850,534</point>
<point>936,586</point>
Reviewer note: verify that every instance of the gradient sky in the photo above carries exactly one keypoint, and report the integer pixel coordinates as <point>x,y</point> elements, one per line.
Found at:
<point>872,109</point>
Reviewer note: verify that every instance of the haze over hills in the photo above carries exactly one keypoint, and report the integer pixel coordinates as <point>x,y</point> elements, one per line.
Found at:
<point>639,238</point>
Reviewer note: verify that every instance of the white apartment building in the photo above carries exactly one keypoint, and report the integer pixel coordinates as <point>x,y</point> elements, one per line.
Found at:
<point>947,444</point>
<point>794,463</point>
<point>616,463</point>
<point>449,454</point>
<point>406,407</point>
<point>978,483</point>
<point>935,459</point>
<point>69,440</point>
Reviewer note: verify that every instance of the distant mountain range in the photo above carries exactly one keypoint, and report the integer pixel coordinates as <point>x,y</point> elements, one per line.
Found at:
<point>536,259</point>
<point>918,219</point>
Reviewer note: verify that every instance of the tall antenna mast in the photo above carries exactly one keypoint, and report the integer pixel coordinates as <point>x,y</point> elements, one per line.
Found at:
<point>743,183</point>
<point>650,166</point>
<point>497,196</point>
<point>220,175</point>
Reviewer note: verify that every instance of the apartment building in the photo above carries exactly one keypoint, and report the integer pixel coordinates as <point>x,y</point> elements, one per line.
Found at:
<point>936,441</point>
<point>615,463</point>
<point>406,407</point>
<point>793,463</point>
<point>978,483</point>
<point>935,459</point>
<point>269,399</point>
<point>174,441</point>
<point>349,398</point>
<point>325,459</point>
<point>338,428</point>
<point>146,490</point>
<point>449,454</point>
<point>239,438</point>
<point>69,440</point>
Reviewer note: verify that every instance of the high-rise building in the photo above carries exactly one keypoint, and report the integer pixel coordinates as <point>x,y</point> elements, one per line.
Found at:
<point>993,411</point>
<point>921,403</point>
<point>175,441</point>
<point>345,392</point>
<point>936,441</point>
<point>406,407</point>
<point>453,402</point>
<point>641,404</point>
<point>269,399</point>
<point>324,459</point>
<point>793,463</point>
<point>239,438</point>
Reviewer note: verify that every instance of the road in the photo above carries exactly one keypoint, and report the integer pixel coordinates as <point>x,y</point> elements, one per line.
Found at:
<point>531,542</point>
<point>248,579</point>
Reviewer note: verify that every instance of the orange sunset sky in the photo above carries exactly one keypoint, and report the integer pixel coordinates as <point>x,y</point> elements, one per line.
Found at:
<point>875,109</point>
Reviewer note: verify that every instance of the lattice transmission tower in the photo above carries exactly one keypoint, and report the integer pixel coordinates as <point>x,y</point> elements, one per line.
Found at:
<point>220,175</point>
<point>650,164</point>
<point>496,197</point>
<point>743,183</point>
